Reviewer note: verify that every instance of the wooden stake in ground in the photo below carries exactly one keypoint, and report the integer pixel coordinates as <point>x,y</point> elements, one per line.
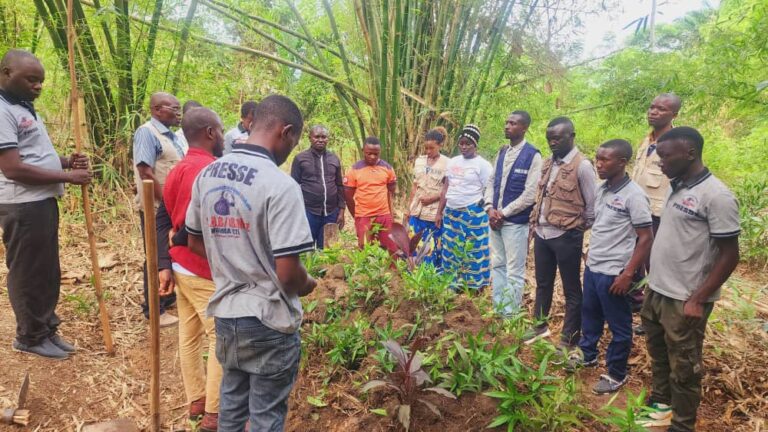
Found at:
<point>78,134</point>
<point>150,242</point>
<point>330,234</point>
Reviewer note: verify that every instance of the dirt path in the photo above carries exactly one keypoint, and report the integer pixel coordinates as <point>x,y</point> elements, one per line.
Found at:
<point>93,387</point>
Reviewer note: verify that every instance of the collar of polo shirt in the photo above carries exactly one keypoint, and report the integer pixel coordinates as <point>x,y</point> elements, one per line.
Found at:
<point>618,186</point>
<point>679,182</point>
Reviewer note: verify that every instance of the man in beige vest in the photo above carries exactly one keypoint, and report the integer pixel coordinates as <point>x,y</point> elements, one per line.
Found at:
<point>647,173</point>
<point>564,209</point>
<point>156,149</point>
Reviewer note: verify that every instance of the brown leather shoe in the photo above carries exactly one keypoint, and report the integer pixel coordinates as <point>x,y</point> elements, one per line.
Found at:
<point>197,409</point>
<point>210,423</point>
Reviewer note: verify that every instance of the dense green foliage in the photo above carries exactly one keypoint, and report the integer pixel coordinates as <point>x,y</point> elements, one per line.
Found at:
<point>330,57</point>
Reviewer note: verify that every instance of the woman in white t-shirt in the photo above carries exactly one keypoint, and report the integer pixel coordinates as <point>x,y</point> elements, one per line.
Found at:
<point>465,249</point>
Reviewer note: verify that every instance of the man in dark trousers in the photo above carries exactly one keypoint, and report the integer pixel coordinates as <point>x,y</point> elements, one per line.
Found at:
<point>156,150</point>
<point>695,252</point>
<point>509,199</point>
<point>647,172</point>
<point>247,216</point>
<point>320,176</point>
<point>32,177</point>
<point>564,210</point>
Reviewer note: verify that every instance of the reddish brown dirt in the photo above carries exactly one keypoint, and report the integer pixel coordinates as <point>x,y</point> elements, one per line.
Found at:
<point>93,387</point>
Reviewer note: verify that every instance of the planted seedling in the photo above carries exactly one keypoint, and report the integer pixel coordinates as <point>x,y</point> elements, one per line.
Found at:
<point>408,247</point>
<point>407,380</point>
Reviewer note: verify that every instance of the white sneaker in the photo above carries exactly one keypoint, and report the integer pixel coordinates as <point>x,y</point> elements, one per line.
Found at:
<point>167,320</point>
<point>657,415</point>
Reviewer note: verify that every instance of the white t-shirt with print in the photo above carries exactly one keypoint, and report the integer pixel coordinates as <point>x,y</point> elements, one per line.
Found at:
<point>466,180</point>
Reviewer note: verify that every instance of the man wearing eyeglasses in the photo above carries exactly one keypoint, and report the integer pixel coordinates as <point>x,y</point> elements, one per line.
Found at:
<point>156,150</point>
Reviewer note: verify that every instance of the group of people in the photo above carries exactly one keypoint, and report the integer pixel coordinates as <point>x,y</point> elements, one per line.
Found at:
<point>232,225</point>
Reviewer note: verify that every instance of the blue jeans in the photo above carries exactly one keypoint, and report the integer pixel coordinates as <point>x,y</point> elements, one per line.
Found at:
<point>260,367</point>
<point>316,224</point>
<point>600,306</point>
<point>509,250</point>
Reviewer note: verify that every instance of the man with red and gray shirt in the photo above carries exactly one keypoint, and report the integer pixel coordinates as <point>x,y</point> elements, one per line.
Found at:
<point>695,252</point>
<point>320,176</point>
<point>190,272</point>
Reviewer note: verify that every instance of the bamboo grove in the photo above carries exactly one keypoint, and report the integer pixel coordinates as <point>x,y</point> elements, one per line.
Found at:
<point>396,67</point>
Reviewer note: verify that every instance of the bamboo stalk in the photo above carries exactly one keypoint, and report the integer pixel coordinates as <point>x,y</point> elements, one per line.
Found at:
<point>78,133</point>
<point>150,243</point>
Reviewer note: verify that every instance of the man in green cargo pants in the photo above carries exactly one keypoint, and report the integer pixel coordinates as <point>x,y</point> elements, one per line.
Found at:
<point>696,250</point>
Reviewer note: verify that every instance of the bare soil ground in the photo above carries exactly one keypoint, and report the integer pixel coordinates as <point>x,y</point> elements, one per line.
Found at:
<point>92,386</point>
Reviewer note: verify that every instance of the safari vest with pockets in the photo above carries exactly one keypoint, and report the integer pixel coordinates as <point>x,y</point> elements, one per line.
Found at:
<point>647,173</point>
<point>163,165</point>
<point>562,199</point>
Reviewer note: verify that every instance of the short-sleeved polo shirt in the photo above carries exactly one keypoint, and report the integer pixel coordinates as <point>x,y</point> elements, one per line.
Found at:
<point>371,187</point>
<point>22,128</point>
<point>695,214</point>
<point>619,210</point>
<point>249,212</point>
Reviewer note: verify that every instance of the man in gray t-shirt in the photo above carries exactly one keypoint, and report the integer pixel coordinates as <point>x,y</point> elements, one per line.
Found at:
<point>248,217</point>
<point>32,177</point>
<point>696,250</point>
<point>239,133</point>
<point>620,243</point>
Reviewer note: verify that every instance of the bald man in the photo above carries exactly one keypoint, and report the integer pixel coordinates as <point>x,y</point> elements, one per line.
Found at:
<point>188,105</point>
<point>190,273</point>
<point>32,177</point>
<point>156,150</point>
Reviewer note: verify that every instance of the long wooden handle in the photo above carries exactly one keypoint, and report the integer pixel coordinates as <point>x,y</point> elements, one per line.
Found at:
<point>150,244</point>
<point>78,134</point>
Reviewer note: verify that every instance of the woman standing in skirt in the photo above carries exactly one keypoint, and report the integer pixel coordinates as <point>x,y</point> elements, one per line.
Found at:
<point>465,248</point>
<point>428,178</point>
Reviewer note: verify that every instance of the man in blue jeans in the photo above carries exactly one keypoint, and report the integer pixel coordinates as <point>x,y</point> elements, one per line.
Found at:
<point>620,244</point>
<point>509,199</point>
<point>247,217</point>
<point>320,176</point>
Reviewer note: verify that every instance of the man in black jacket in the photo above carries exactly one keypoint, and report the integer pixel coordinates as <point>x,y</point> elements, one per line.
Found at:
<point>320,176</point>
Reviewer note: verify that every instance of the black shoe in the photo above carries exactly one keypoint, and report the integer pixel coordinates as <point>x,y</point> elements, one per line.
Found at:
<point>62,344</point>
<point>46,348</point>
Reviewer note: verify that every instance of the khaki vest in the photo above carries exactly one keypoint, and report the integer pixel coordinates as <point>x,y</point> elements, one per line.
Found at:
<point>648,175</point>
<point>163,165</point>
<point>427,183</point>
<point>563,199</point>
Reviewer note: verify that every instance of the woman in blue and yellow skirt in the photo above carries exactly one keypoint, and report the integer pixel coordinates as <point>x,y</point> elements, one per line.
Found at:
<point>428,179</point>
<point>465,249</point>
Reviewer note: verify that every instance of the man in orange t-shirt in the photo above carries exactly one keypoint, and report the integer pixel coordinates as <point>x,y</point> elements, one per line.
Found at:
<point>369,188</point>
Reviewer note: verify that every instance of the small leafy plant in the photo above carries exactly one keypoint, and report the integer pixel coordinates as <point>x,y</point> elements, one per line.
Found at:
<point>625,420</point>
<point>349,345</point>
<point>407,379</point>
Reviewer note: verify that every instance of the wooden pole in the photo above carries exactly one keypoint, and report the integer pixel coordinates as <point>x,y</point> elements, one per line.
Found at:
<point>150,244</point>
<point>78,134</point>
